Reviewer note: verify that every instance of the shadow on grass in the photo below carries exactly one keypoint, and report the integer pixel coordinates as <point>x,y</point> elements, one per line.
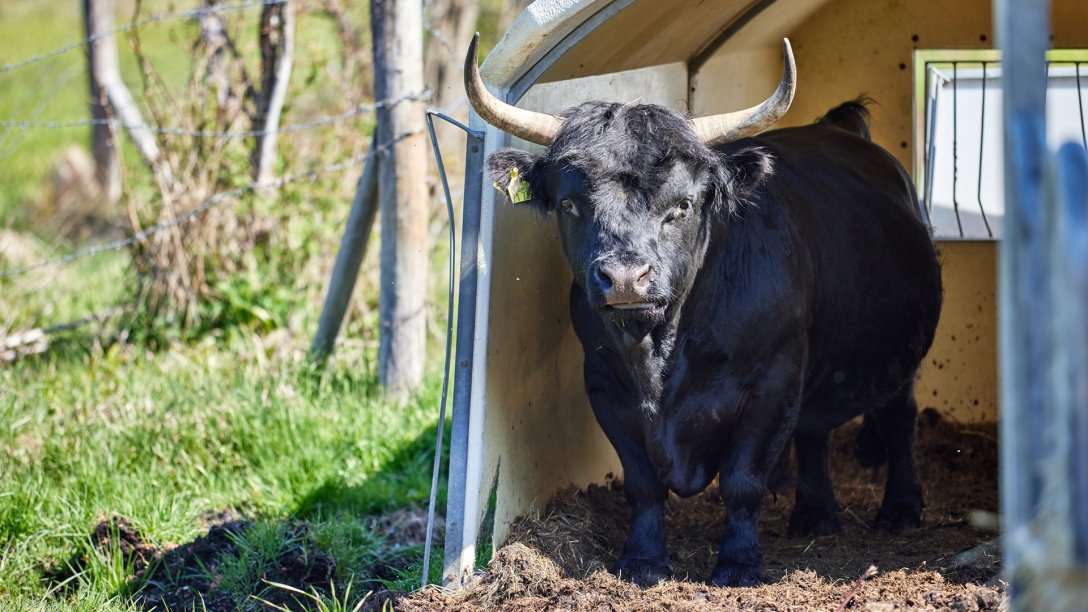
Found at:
<point>342,542</point>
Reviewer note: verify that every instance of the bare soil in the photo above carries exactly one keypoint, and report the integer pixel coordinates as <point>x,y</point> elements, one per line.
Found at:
<point>559,560</point>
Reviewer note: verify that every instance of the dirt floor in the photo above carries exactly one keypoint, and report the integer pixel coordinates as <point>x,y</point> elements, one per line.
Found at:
<point>559,559</point>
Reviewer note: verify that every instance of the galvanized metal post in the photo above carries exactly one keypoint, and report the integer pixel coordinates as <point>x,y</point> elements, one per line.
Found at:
<point>1067,476</point>
<point>1023,27</point>
<point>1044,333</point>
<point>456,519</point>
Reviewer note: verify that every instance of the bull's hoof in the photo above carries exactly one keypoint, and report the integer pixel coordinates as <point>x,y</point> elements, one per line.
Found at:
<point>643,572</point>
<point>813,520</point>
<point>736,575</point>
<point>899,515</point>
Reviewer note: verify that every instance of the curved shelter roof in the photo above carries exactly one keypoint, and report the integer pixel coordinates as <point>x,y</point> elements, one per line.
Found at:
<point>563,39</point>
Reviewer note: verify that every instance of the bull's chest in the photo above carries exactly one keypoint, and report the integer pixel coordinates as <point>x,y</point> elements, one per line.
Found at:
<point>670,382</point>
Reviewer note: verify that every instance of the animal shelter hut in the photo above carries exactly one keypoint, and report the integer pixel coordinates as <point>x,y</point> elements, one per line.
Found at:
<point>522,425</point>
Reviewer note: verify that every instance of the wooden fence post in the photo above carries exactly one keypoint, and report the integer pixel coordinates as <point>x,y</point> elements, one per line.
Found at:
<point>397,27</point>
<point>277,39</point>
<point>111,98</point>
<point>102,62</point>
<point>364,209</point>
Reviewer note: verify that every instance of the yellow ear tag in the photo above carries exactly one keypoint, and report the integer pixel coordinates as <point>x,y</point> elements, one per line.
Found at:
<point>518,190</point>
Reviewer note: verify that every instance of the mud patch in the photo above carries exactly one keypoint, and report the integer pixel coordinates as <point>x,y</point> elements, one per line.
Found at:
<point>112,538</point>
<point>559,559</point>
<point>407,527</point>
<point>231,566</point>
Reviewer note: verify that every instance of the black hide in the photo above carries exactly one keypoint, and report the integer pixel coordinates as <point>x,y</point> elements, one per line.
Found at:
<point>773,287</point>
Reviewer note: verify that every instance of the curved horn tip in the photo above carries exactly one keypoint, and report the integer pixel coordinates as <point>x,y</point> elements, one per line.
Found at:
<point>539,128</point>
<point>727,127</point>
<point>789,69</point>
<point>473,50</point>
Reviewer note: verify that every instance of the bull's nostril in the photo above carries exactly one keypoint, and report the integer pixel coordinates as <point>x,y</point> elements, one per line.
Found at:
<point>603,277</point>
<point>642,278</point>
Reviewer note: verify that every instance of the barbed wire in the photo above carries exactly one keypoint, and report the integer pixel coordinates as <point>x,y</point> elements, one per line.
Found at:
<point>294,127</point>
<point>37,100</point>
<point>193,213</point>
<point>200,12</point>
<point>428,24</point>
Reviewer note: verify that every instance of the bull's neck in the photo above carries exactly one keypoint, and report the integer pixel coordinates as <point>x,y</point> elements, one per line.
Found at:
<point>647,357</point>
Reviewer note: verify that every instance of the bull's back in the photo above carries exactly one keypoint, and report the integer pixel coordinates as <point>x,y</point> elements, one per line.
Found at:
<point>876,291</point>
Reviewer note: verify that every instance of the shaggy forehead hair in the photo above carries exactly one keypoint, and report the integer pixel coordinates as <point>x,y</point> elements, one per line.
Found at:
<point>635,144</point>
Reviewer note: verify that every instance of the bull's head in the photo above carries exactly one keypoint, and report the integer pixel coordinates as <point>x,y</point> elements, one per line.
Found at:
<point>636,187</point>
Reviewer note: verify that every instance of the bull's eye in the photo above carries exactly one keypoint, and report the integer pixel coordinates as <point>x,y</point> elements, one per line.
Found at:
<point>569,207</point>
<point>680,211</point>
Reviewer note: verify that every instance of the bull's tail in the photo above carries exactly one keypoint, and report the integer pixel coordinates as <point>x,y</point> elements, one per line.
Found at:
<point>852,116</point>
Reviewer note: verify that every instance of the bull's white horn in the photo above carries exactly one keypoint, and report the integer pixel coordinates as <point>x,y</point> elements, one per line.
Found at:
<point>539,128</point>
<point>727,127</point>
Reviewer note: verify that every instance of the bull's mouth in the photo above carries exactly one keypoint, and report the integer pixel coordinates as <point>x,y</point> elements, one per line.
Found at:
<point>633,306</point>
<point>635,311</point>
<point>635,319</point>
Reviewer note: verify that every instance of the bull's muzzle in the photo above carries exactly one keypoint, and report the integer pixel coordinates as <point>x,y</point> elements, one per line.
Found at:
<point>624,286</point>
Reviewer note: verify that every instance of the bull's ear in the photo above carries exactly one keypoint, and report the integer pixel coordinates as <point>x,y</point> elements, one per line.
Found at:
<point>749,168</point>
<point>517,175</point>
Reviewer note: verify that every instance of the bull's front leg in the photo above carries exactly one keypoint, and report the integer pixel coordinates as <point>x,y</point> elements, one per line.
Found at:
<point>645,560</point>
<point>765,422</point>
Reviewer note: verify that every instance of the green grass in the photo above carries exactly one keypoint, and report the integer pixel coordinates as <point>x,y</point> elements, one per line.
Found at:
<point>161,438</point>
<point>160,426</point>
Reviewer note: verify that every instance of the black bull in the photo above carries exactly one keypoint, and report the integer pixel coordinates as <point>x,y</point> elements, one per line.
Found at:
<point>730,297</point>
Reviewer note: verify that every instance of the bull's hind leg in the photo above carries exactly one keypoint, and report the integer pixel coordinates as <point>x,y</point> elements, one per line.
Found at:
<point>896,423</point>
<point>815,509</point>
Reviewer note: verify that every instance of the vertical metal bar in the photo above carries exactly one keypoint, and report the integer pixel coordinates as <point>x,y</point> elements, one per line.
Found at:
<point>1024,312</point>
<point>981,142</point>
<point>955,145</point>
<point>436,469</point>
<point>462,380</point>
<point>1080,107</point>
<point>1071,336</point>
<point>933,89</point>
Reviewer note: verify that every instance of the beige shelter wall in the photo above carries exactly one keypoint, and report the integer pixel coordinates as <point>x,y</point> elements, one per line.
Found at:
<point>846,48</point>
<point>959,375</point>
<point>540,430</point>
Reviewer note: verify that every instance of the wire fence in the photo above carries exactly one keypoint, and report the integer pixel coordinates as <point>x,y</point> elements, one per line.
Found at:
<point>15,130</point>
<point>326,120</point>
<point>195,212</point>
<point>9,144</point>
<point>191,14</point>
